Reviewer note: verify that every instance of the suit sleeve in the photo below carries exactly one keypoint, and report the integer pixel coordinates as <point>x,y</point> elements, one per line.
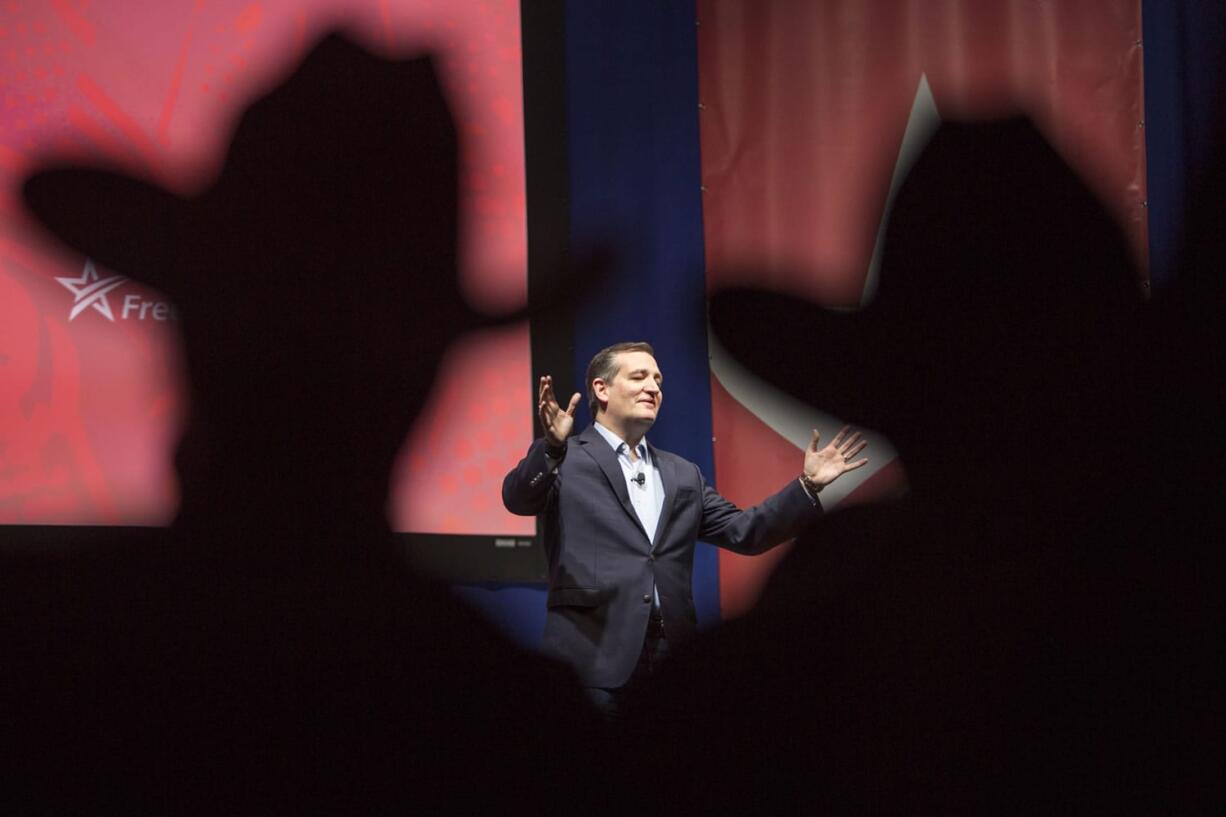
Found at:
<point>775,520</point>
<point>529,488</point>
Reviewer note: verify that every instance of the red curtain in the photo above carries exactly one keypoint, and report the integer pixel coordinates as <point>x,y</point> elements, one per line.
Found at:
<point>808,110</point>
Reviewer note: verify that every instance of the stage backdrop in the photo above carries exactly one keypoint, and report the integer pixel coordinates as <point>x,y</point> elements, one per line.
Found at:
<point>91,396</point>
<point>809,112</point>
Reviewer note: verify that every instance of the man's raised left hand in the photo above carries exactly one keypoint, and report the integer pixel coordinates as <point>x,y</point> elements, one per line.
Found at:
<point>824,466</point>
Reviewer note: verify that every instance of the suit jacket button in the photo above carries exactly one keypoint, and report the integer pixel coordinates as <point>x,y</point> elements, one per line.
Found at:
<point>646,598</point>
<point>651,559</point>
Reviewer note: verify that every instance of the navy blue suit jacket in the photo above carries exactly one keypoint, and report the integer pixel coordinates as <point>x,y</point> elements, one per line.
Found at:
<point>601,562</point>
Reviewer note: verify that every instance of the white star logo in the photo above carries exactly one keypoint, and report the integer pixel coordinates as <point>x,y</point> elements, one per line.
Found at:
<point>89,290</point>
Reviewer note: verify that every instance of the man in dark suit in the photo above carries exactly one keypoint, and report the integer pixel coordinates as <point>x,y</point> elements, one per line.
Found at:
<point>621,519</point>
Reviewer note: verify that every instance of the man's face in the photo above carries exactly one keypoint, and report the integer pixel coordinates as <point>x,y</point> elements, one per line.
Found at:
<point>633,396</point>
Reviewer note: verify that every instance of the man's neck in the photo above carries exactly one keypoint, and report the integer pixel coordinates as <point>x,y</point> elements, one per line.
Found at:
<point>632,436</point>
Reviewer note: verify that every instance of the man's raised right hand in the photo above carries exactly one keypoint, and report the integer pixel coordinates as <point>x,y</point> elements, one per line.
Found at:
<point>555,421</point>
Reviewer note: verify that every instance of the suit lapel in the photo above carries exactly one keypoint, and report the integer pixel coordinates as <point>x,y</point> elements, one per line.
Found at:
<point>602,452</point>
<point>668,476</point>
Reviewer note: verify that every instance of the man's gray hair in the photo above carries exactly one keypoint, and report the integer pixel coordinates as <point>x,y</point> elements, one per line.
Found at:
<point>604,366</point>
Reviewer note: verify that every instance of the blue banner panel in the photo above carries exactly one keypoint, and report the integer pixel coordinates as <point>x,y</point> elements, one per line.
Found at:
<point>632,99</point>
<point>1183,96</point>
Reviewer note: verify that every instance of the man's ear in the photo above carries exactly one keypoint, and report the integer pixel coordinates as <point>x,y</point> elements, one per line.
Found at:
<point>601,389</point>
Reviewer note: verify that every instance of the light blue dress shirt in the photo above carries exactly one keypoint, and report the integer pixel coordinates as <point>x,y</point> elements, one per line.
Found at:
<point>648,498</point>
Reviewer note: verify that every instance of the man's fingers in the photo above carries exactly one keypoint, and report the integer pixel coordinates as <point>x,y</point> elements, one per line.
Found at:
<point>849,444</point>
<point>547,405</point>
<point>547,395</point>
<point>813,443</point>
<point>857,449</point>
<point>547,389</point>
<point>837,442</point>
<point>853,466</point>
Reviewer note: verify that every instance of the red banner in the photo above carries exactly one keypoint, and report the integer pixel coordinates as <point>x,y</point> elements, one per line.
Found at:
<point>810,112</point>
<point>91,398</point>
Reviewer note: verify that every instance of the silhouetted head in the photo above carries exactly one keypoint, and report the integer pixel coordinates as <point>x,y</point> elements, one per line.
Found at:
<point>316,277</point>
<point>990,351</point>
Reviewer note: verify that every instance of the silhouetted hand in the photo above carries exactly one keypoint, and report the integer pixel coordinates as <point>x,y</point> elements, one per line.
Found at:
<point>555,421</point>
<point>825,466</point>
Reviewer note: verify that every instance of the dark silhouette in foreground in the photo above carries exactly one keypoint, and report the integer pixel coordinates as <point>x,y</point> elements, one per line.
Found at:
<point>1013,636</point>
<point>272,651</point>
